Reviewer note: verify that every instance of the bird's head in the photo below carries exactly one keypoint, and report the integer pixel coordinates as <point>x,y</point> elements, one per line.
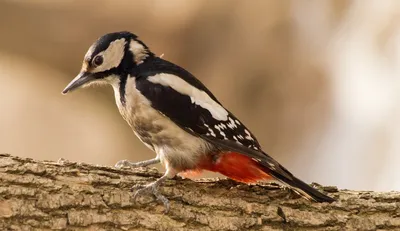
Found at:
<point>111,57</point>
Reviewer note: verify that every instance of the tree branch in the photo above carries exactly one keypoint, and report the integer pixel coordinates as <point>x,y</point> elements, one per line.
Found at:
<point>76,196</point>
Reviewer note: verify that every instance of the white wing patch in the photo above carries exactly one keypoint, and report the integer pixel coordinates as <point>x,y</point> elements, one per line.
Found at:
<point>197,96</point>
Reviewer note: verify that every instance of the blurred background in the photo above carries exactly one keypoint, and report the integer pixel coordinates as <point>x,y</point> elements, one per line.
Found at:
<point>316,81</point>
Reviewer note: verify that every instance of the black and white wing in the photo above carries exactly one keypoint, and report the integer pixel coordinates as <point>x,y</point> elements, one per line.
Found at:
<point>177,94</point>
<point>182,98</point>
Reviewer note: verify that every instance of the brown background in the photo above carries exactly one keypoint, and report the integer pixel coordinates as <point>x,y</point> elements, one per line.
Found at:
<point>316,81</point>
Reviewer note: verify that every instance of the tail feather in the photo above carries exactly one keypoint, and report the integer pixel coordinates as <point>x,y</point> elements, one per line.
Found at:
<point>307,191</point>
<point>245,169</point>
<point>296,184</point>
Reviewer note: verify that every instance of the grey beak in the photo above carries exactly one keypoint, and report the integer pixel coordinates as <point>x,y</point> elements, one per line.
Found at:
<point>78,81</point>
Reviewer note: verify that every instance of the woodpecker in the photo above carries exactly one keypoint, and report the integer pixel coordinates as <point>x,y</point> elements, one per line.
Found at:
<point>178,118</point>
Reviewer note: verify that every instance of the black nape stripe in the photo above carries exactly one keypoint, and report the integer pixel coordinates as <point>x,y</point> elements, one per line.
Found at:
<point>122,85</point>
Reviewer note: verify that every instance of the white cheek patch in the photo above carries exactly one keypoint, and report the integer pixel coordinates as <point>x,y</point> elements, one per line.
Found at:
<point>139,51</point>
<point>197,96</point>
<point>112,56</point>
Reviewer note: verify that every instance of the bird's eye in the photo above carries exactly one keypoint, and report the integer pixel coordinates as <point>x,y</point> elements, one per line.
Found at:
<point>97,61</point>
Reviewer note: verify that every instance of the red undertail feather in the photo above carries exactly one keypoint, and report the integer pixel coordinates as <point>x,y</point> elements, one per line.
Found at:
<point>238,167</point>
<point>244,169</point>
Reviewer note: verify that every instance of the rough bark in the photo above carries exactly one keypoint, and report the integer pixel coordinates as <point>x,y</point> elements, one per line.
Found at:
<point>40,195</point>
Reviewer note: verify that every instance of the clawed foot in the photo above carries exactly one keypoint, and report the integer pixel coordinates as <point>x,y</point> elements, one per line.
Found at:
<point>150,188</point>
<point>125,164</point>
<point>153,189</point>
<point>129,164</point>
<point>62,161</point>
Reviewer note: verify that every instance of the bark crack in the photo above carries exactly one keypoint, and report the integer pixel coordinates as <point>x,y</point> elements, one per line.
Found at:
<point>79,196</point>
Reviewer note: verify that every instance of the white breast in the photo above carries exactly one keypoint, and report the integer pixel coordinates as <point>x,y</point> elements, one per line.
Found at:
<point>175,147</point>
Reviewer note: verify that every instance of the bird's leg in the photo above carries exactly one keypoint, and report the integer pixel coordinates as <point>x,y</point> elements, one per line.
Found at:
<point>126,163</point>
<point>153,189</point>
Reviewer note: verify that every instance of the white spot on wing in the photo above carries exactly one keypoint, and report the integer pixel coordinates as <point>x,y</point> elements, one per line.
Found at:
<point>237,141</point>
<point>248,135</point>
<point>211,132</point>
<point>198,96</point>
<point>218,127</point>
<point>223,134</point>
<point>231,123</point>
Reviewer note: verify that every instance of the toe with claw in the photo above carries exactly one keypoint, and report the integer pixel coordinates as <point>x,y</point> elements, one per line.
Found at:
<point>129,164</point>
<point>153,189</point>
<point>124,164</point>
